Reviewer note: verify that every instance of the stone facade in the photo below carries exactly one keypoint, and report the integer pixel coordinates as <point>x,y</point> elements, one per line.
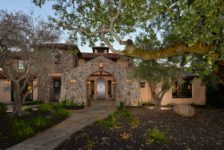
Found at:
<point>53,69</point>
<point>74,82</point>
<point>74,72</point>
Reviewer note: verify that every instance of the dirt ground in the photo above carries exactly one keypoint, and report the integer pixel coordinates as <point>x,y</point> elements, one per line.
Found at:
<point>204,131</point>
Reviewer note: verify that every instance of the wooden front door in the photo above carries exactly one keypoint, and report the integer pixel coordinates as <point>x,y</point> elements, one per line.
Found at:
<point>101,88</point>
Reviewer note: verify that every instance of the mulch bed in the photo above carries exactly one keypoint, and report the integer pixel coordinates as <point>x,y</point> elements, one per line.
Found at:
<point>204,131</point>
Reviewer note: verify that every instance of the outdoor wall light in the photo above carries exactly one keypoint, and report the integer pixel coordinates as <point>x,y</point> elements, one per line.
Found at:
<point>188,87</point>
<point>7,81</point>
<point>88,82</point>
<point>101,64</point>
<point>128,81</point>
<point>113,82</point>
<point>34,82</point>
<point>73,81</point>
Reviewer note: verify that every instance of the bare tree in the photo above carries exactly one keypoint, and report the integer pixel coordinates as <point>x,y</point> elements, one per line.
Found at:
<point>19,55</point>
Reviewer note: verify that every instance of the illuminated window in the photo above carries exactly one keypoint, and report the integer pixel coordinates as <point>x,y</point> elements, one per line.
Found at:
<point>92,87</point>
<point>28,88</point>
<point>182,90</point>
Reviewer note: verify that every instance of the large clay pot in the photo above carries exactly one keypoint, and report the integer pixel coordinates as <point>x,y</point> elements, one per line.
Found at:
<point>184,110</point>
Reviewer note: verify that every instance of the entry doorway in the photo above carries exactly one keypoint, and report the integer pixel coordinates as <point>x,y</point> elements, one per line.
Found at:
<point>101,88</point>
<point>56,90</point>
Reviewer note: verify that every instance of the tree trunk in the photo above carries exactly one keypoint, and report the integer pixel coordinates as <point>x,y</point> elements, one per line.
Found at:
<point>17,105</point>
<point>155,97</point>
<point>157,103</point>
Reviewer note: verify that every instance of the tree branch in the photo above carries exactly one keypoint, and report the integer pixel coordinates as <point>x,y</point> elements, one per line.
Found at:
<point>166,52</point>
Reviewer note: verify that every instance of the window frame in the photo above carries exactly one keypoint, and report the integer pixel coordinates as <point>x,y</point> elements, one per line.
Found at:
<point>21,64</point>
<point>182,90</point>
<point>142,84</point>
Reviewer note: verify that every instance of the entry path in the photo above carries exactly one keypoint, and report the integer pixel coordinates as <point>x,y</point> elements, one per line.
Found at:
<point>78,119</point>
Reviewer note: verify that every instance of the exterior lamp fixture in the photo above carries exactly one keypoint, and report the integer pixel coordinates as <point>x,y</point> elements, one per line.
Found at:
<point>101,64</point>
<point>188,87</point>
<point>128,81</point>
<point>7,81</point>
<point>113,82</point>
<point>35,81</point>
<point>72,81</point>
<point>88,82</point>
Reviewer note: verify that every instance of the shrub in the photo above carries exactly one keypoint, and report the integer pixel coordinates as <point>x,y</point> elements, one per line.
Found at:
<point>110,122</point>
<point>3,109</point>
<point>45,107</point>
<point>134,121</point>
<point>29,109</point>
<point>71,104</point>
<point>124,112</point>
<point>155,136</point>
<point>88,141</point>
<point>122,105</point>
<point>35,102</point>
<point>60,112</point>
<point>40,122</point>
<point>21,129</point>
<point>147,104</point>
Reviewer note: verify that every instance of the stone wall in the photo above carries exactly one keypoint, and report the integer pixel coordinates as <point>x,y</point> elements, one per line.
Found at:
<point>45,78</point>
<point>74,82</point>
<point>5,91</point>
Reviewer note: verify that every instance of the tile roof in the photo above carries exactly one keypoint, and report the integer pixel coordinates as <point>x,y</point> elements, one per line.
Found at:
<point>63,46</point>
<point>93,55</point>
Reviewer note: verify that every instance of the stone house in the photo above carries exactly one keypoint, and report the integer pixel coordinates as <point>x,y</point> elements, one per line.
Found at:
<point>98,76</point>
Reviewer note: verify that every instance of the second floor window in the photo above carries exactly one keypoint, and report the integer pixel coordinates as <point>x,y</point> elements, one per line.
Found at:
<point>21,65</point>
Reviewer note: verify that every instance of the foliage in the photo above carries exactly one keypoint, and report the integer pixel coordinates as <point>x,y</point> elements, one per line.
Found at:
<point>147,104</point>
<point>156,136</point>
<point>134,121</point>
<point>71,104</point>
<point>3,108</point>
<point>45,107</point>
<point>110,122</point>
<point>60,112</point>
<point>20,37</point>
<point>40,122</point>
<point>123,112</point>
<point>24,127</point>
<point>21,129</point>
<point>123,115</point>
<point>215,96</point>
<point>57,110</point>
<point>89,142</point>
<point>121,105</point>
<point>158,74</point>
<point>29,109</point>
<point>35,102</point>
<point>183,27</point>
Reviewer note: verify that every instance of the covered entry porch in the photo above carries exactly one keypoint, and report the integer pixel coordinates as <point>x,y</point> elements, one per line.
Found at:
<point>101,85</point>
